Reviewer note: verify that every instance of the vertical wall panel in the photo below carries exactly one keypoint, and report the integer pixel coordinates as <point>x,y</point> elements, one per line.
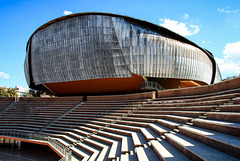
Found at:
<point>102,46</point>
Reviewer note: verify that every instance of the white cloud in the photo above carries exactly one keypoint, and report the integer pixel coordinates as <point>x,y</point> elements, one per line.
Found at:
<point>206,42</point>
<point>4,75</point>
<point>67,12</point>
<point>229,63</point>
<point>180,27</point>
<point>228,11</point>
<point>185,16</point>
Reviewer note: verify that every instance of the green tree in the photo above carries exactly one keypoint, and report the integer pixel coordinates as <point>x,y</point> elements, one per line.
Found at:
<point>3,92</point>
<point>12,92</point>
<point>8,92</point>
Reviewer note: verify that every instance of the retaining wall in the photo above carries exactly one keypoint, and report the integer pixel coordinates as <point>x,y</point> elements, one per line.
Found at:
<point>146,95</point>
<point>224,85</point>
<point>78,98</point>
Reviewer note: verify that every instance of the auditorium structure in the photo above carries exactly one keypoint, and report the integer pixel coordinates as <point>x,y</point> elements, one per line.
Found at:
<point>90,53</point>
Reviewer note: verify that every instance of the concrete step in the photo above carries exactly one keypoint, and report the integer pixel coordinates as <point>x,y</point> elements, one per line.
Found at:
<point>140,119</point>
<point>168,124</point>
<point>103,148</point>
<point>230,128</point>
<point>62,140</point>
<point>103,136</point>
<point>156,113</point>
<point>180,119</point>
<point>230,108</point>
<point>124,157</point>
<point>181,103</point>
<point>79,153</point>
<point>99,151</point>
<point>224,116</point>
<point>113,151</point>
<point>195,150</point>
<point>144,131</point>
<point>216,95</point>
<point>223,142</point>
<point>113,146</point>
<point>94,152</point>
<point>148,136</point>
<point>141,154</point>
<point>157,129</point>
<point>236,100</point>
<point>183,108</point>
<point>166,153</point>
<point>202,117</point>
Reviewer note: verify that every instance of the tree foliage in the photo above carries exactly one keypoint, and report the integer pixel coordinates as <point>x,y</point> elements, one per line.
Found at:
<point>8,92</point>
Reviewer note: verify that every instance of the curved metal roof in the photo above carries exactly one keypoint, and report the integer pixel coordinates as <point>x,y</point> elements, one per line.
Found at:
<point>159,29</point>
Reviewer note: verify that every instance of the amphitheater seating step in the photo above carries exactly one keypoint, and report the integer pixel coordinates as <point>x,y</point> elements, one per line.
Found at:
<point>183,108</point>
<point>230,128</point>
<point>230,108</point>
<point>124,147</point>
<point>196,150</point>
<point>124,157</point>
<point>157,113</point>
<point>181,103</point>
<point>142,156</point>
<point>94,152</point>
<point>104,136</point>
<point>112,153</point>
<point>62,140</point>
<point>82,155</point>
<point>176,128</point>
<point>159,130</point>
<point>225,92</point>
<point>223,142</point>
<point>160,150</point>
<point>169,124</point>
<point>224,116</point>
<point>148,136</point>
<point>236,100</point>
<point>180,119</point>
<point>114,145</point>
<point>104,148</point>
<point>165,154</point>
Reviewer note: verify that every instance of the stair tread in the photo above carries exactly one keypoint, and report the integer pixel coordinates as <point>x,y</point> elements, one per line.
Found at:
<point>198,148</point>
<point>213,134</point>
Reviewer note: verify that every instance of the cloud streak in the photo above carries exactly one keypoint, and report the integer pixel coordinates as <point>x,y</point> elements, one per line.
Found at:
<point>229,63</point>
<point>4,75</point>
<point>206,42</point>
<point>67,12</point>
<point>227,11</point>
<point>180,27</point>
<point>185,16</point>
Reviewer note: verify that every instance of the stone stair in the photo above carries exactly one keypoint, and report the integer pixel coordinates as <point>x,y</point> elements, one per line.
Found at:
<point>203,127</point>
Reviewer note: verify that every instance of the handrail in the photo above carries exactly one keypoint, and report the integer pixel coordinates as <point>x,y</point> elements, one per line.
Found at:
<point>23,135</point>
<point>7,107</point>
<point>65,151</point>
<point>151,86</point>
<point>62,115</point>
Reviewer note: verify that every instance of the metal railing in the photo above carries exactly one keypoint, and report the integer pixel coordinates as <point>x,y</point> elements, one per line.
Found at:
<point>151,86</point>
<point>65,151</point>
<point>62,149</point>
<point>6,108</point>
<point>22,135</point>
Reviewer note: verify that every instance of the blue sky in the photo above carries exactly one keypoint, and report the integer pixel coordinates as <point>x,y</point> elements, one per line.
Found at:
<point>212,24</point>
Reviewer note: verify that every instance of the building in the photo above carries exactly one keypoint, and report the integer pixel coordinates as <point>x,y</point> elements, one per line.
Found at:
<point>22,91</point>
<point>90,53</point>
